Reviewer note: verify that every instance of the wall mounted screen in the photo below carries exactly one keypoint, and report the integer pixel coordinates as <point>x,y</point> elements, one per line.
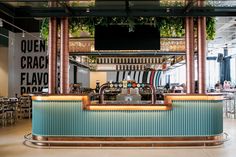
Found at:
<point>116,37</point>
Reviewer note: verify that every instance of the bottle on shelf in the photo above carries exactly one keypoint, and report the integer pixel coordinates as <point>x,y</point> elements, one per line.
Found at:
<point>97,86</point>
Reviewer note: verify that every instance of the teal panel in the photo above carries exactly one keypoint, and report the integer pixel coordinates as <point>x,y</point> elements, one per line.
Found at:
<point>187,118</point>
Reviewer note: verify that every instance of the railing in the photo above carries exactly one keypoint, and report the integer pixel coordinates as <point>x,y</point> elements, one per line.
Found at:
<point>224,137</point>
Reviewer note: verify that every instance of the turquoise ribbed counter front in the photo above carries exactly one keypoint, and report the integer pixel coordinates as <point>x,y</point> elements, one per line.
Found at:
<point>187,118</point>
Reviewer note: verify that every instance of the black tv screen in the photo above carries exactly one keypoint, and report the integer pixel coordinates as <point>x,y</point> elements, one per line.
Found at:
<point>115,37</point>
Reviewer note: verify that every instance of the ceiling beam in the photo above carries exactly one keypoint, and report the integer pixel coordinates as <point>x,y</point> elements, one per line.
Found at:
<point>127,9</point>
<point>227,24</point>
<point>189,6</point>
<point>78,11</point>
<point>66,8</point>
<point>7,10</point>
<point>28,0</point>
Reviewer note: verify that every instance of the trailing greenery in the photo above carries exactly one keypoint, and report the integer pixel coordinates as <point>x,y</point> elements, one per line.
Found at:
<point>168,26</point>
<point>172,27</point>
<point>211,28</point>
<point>44,29</point>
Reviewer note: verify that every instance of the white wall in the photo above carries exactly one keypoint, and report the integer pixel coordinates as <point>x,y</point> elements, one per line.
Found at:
<point>83,76</point>
<point>177,75</point>
<point>71,73</point>
<point>111,76</point>
<point>3,71</point>
<point>101,76</point>
<point>212,73</point>
<point>233,70</point>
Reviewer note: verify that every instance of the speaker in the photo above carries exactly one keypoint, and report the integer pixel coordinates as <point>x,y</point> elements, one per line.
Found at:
<point>220,57</point>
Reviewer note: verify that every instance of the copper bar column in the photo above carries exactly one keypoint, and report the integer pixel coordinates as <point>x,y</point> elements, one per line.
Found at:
<point>201,53</point>
<point>64,56</point>
<point>52,55</point>
<point>189,31</point>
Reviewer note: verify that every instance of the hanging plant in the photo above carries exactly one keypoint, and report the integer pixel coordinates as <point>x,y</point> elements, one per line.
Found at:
<point>44,29</point>
<point>172,27</point>
<point>210,28</point>
<point>168,26</point>
<point>92,59</point>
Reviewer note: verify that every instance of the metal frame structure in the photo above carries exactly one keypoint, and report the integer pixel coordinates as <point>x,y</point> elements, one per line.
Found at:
<point>127,8</point>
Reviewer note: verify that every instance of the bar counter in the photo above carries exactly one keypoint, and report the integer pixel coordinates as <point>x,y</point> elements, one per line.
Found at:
<point>67,117</point>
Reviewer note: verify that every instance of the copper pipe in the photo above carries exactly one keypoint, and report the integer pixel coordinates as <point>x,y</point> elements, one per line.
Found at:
<point>200,3</point>
<point>153,101</point>
<point>52,55</point>
<point>202,54</point>
<point>64,72</point>
<point>52,4</point>
<point>101,93</point>
<point>189,29</point>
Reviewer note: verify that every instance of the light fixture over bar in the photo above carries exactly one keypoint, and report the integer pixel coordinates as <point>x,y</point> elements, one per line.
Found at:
<point>2,21</point>
<point>127,107</point>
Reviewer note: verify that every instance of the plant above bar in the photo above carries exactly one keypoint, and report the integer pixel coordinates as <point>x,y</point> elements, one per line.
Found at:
<point>169,26</point>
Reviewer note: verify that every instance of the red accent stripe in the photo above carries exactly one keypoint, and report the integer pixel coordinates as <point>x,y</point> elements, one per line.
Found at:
<point>151,77</point>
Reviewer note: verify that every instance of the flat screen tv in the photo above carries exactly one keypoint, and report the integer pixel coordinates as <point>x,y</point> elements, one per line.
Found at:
<point>116,37</point>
